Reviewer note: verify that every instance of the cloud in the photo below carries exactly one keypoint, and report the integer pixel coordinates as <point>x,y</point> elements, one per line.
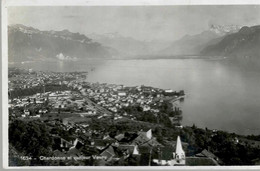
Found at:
<point>61,57</point>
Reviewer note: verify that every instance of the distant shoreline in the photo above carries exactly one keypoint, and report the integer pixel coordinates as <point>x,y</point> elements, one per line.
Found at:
<point>126,58</point>
<point>170,57</point>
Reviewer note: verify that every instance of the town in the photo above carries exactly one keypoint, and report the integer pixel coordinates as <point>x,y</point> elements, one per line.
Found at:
<point>60,118</point>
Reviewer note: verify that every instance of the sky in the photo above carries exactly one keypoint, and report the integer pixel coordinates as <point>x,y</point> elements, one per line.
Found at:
<point>139,22</point>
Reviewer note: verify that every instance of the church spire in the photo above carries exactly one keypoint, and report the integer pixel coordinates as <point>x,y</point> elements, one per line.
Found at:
<point>179,149</point>
<point>179,153</point>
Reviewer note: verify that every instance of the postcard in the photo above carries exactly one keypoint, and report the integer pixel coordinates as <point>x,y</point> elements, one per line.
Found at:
<point>139,84</point>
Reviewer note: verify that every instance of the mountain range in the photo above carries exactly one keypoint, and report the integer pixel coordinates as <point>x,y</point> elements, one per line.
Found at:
<point>244,43</point>
<point>27,43</point>
<point>194,44</point>
<point>128,46</point>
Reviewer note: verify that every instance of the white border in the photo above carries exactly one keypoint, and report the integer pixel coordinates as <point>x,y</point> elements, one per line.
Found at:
<point>126,2</point>
<point>4,69</point>
<point>175,168</point>
<point>4,98</point>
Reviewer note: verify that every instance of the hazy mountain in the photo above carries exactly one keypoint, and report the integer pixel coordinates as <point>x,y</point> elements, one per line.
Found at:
<point>244,43</point>
<point>128,46</point>
<point>193,45</point>
<point>224,29</point>
<point>28,44</point>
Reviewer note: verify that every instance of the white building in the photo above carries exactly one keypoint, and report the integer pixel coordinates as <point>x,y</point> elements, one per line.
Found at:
<point>121,93</point>
<point>168,91</point>
<point>179,155</point>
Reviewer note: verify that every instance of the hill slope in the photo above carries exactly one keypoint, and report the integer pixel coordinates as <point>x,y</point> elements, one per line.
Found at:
<point>244,43</point>
<point>189,45</point>
<point>193,45</point>
<point>128,46</point>
<point>29,44</point>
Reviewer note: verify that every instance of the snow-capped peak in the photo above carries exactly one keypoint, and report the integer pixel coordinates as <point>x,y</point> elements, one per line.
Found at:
<point>224,29</point>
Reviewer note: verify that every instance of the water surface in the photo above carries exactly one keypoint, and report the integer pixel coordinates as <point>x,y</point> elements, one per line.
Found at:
<point>220,95</point>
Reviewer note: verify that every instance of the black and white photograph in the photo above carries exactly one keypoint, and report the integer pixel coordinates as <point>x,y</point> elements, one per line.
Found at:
<point>169,86</point>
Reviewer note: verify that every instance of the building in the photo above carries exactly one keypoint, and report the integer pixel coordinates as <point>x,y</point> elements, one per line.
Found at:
<point>129,149</point>
<point>167,156</point>
<point>179,155</point>
<point>147,134</point>
<point>205,157</point>
<point>108,153</point>
<point>168,91</point>
<point>121,93</point>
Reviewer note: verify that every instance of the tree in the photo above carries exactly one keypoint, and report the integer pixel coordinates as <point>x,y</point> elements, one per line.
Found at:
<point>31,138</point>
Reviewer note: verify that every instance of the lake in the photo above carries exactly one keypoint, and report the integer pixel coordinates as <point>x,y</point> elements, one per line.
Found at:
<point>220,95</point>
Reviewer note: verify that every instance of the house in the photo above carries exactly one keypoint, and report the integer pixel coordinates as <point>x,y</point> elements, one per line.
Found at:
<point>140,140</point>
<point>127,137</point>
<point>208,154</point>
<point>200,161</point>
<point>26,112</point>
<point>129,149</point>
<point>62,144</point>
<point>144,138</point>
<point>179,126</point>
<point>121,94</point>
<point>74,152</point>
<point>168,91</point>
<point>108,153</point>
<point>147,134</point>
<point>36,116</point>
<point>146,108</point>
<point>204,158</point>
<point>100,143</point>
<point>236,140</point>
<point>119,137</point>
<point>41,111</point>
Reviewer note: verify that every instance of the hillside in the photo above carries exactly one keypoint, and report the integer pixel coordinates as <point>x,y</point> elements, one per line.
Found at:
<point>194,44</point>
<point>189,45</point>
<point>128,46</point>
<point>244,43</point>
<point>30,44</point>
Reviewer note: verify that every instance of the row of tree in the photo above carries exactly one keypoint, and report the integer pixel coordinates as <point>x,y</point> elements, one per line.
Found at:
<point>38,89</point>
<point>221,144</point>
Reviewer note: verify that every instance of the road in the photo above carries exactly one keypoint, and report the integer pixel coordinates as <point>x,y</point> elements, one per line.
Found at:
<point>99,108</point>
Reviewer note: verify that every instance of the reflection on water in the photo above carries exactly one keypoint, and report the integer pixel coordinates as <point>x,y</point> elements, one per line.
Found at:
<point>219,95</point>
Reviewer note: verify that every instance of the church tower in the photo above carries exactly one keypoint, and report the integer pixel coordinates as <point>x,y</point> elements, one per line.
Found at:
<point>179,155</point>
